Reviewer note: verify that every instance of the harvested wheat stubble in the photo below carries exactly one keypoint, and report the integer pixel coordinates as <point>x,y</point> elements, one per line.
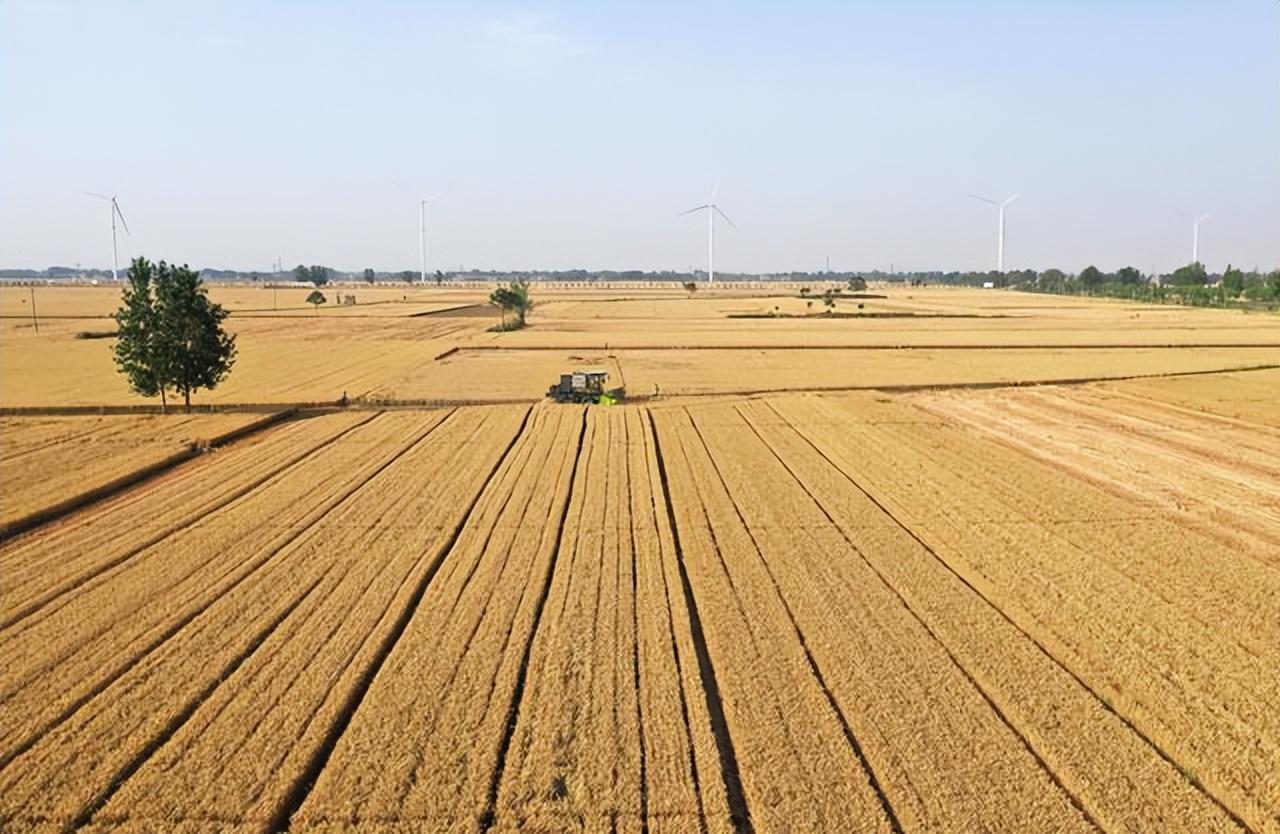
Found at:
<point>1119,779</point>
<point>1221,478</point>
<point>244,750</point>
<point>423,748</point>
<point>63,457</point>
<point>798,768</point>
<point>924,728</point>
<point>605,741</point>
<point>38,568</point>
<point>60,779</point>
<point>1188,685</point>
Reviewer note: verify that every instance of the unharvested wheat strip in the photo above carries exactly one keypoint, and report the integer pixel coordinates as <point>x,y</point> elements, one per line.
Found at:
<point>435,716</point>
<point>1233,590</point>
<point>945,759</point>
<point>1120,779</point>
<point>576,761</point>
<point>798,770</point>
<point>76,554</point>
<point>1202,699</point>
<point>45,477</point>
<point>56,780</point>
<point>67,656</point>
<point>239,755</point>
<point>1250,397</point>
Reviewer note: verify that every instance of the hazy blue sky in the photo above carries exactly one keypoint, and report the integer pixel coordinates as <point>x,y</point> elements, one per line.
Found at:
<point>571,135</point>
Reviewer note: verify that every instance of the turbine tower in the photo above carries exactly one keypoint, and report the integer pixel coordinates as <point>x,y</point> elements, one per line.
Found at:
<point>422,235</point>
<point>712,210</point>
<point>115,212</point>
<point>1195,237</point>
<point>1000,225</point>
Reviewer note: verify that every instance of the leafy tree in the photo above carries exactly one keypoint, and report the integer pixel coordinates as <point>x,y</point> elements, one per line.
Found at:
<point>439,277</point>
<point>514,299</point>
<point>316,299</point>
<point>804,292</point>
<point>136,349</point>
<point>319,275</point>
<point>1053,279</point>
<point>690,287</point>
<point>195,352</point>
<point>301,273</point>
<point>171,334</point>
<point>829,300</point>
<point>1128,275</point>
<point>1090,277</point>
<point>857,283</point>
<point>370,276</point>
<point>1233,282</point>
<point>1192,273</point>
<point>408,275</point>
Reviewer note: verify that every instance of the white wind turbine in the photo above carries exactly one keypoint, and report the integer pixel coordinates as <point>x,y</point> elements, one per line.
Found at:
<point>115,212</point>
<point>1000,221</point>
<point>1195,237</point>
<point>712,210</point>
<point>422,234</point>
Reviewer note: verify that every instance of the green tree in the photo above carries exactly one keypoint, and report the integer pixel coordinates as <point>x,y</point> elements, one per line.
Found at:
<point>319,275</point>
<point>804,292</point>
<point>829,300</point>
<point>439,277</point>
<point>857,283</point>
<point>1128,275</point>
<point>1192,273</point>
<point>1233,282</point>
<point>195,352</point>
<point>690,287</point>
<point>370,276</point>
<point>514,299</point>
<point>316,299</point>
<point>136,349</point>
<point>408,275</point>
<point>301,274</point>
<point>1090,278</point>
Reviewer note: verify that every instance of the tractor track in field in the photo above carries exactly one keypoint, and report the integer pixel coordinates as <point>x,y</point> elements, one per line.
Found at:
<point>739,810</point>
<point>489,816</point>
<point>182,622</point>
<point>1161,752</point>
<point>88,576</point>
<point>885,805</point>
<point>302,785</point>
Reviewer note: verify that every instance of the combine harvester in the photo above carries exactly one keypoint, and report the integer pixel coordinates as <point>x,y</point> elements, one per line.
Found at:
<point>585,387</point>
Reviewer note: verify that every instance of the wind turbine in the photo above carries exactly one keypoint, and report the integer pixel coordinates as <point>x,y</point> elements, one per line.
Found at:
<point>115,212</point>
<point>422,233</point>
<point>1195,237</point>
<point>1000,235</point>
<point>712,210</point>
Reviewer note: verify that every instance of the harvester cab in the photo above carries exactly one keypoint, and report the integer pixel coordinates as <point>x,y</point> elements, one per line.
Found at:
<point>584,387</point>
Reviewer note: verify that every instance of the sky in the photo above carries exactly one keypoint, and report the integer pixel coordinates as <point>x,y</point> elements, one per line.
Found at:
<point>572,135</point>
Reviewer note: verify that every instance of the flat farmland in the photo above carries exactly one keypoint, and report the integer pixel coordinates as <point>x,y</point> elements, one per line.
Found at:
<point>763,600</point>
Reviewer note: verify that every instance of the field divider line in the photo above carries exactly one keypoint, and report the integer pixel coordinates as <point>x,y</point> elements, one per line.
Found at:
<point>152,541</point>
<point>489,817</point>
<point>169,632</point>
<point>195,449</point>
<point>635,629</point>
<point>650,454</point>
<point>302,785</point>
<point>894,823</point>
<point>1106,704</point>
<point>1075,800</point>
<point>739,810</point>
<point>175,723</point>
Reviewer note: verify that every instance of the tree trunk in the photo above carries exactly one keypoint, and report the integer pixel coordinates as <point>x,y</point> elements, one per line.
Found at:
<point>163,405</point>
<point>186,395</point>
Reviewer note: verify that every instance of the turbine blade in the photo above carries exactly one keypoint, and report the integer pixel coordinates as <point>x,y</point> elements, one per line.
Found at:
<point>434,197</point>
<point>692,210</point>
<point>99,196</point>
<point>1205,217</point>
<point>1010,200</point>
<point>116,208</point>
<point>984,199</point>
<point>717,210</point>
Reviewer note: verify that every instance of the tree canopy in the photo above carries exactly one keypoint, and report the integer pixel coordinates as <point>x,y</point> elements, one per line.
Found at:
<point>513,298</point>
<point>170,333</point>
<point>318,275</point>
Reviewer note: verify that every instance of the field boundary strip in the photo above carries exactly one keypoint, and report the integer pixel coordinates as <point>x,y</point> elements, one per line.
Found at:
<point>603,346</point>
<point>78,502</point>
<point>1106,704</point>
<point>739,810</point>
<point>298,792</point>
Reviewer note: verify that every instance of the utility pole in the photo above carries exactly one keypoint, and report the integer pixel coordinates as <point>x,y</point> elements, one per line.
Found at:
<point>35,322</point>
